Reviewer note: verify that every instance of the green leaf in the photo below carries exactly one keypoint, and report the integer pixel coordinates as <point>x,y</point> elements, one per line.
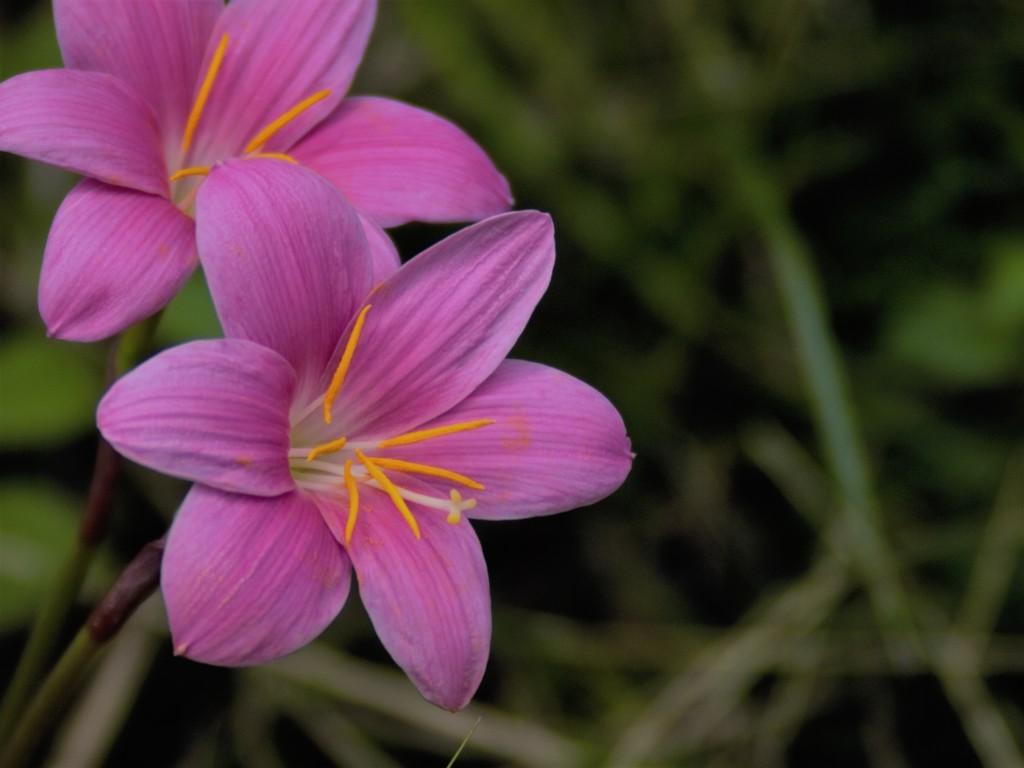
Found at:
<point>37,525</point>
<point>48,391</point>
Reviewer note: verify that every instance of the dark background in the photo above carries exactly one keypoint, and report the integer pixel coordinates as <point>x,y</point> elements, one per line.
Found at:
<point>718,610</point>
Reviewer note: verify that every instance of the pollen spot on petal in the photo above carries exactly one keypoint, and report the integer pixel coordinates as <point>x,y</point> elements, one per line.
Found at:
<point>518,436</point>
<point>245,461</point>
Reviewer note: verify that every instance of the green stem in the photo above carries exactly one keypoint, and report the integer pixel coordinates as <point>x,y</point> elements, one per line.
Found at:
<point>43,636</point>
<point>131,347</point>
<point>134,344</point>
<point>50,700</point>
<point>138,580</point>
<point>61,596</point>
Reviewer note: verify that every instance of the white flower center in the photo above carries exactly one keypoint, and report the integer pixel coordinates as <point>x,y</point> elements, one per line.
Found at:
<point>340,465</point>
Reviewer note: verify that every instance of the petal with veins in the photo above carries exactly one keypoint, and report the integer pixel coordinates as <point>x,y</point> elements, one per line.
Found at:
<point>278,54</point>
<point>440,325</point>
<point>555,444</point>
<point>428,598</point>
<point>156,48</point>
<point>398,163</point>
<point>285,256</point>
<point>247,580</point>
<point>114,256</point>
<point>214,411</point>
<point>86,122</point>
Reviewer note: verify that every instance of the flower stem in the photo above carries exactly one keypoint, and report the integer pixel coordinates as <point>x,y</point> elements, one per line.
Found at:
<point>92,529</point>
<point>59,599</point>
<point>138,580</point>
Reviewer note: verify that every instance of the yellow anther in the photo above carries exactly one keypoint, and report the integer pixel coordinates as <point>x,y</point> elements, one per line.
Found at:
<point>389,488</point>
<point>331,447</point>
<point>268,131</point>
<point>204,92</point>
<point>353,500</point>
<point>455,514</point>
<point>426,469</point>
<point>197,170</point>
<point>276,156</point>
<point>346,358</point>
<point>426,434</point>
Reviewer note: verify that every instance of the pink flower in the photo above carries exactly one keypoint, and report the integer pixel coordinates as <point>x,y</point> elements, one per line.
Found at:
<point>157,91</point>
<point>340,426</point>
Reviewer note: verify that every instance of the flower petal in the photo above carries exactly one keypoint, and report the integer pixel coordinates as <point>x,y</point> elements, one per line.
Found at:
<point>155,47</point>
<point>428,598</point>
<point>441,324</point>
<point>285,256</point>
<point>114,256</point>
<point>213,411</point>
<point>555,444</point>
<point>86,122</point>
<point>247,580</point>
<point>383,252</point>
<point>279,54</point>
<point>398,164</point>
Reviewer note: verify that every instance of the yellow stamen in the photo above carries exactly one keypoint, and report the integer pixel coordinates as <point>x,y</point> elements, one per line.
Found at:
<point>331,447</point>
<point>264,135</point>
<point>455,513</point>
<point>276,155</point>
<point>346,358</point>
<point>426,434</point>
<point>426,469</point>
<point>389,488</point>
<point>204,91</point>
<point>353,501</point>
<point>198,170</point>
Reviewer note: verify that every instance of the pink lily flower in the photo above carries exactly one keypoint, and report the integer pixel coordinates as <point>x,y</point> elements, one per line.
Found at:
<point>156,93</point>
<point>340,427</point>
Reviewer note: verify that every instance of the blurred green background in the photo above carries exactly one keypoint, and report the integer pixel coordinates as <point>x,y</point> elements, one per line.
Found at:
<point>755,595</point>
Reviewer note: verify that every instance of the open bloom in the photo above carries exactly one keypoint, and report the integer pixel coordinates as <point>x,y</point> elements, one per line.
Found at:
<point>156,92</point>
<point>340,427</point>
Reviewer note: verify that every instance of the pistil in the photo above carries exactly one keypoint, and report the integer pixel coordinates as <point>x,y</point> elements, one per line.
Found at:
<point>323,473</point>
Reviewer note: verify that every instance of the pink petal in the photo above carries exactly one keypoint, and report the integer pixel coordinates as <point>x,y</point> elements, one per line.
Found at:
<point>114,256</point>
<point>428,598</point>
<point>278,54</point>
<point>441,324</point>
<point>155,47</point>
<point>87,122</point>
<point>398,164</point>
<point>285,257</point>
<point>247,580</point>
<point>213,411</point>
<point>386,260</point>
<point>555,444</point>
